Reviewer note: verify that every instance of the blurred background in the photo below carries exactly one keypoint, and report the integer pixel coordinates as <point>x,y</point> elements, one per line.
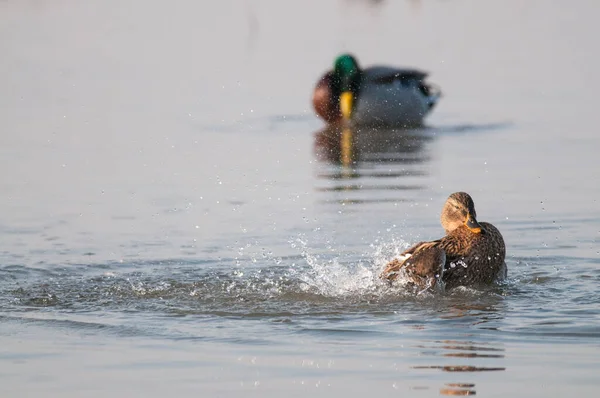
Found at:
<point>137,109</point>
<point>158,160</point>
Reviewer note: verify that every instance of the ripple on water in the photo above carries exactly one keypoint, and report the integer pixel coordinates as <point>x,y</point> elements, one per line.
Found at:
<point>313,297</point>
<point>307,285</point>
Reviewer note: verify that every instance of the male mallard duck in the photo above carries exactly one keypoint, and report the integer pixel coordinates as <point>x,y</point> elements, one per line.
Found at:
<point>474,250</point>
<point>378,95</point>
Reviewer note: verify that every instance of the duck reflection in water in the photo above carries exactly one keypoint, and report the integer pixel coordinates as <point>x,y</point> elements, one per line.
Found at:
<point>465,350</point>
<point>463,357</point>
<point>370,165</point>
<point>350,146</point>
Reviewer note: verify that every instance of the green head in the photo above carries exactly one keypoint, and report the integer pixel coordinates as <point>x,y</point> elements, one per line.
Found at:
<point>346,72</point>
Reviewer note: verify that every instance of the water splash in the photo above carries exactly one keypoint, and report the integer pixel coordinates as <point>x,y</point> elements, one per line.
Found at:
<point>312,281</point>
<point>334,278</point>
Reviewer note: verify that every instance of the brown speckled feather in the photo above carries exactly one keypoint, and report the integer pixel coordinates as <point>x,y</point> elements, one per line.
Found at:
<point>471,258</point>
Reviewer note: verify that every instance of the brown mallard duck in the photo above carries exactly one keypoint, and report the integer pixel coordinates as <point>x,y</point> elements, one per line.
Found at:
<point>375,96</point>
<point>474,251</point>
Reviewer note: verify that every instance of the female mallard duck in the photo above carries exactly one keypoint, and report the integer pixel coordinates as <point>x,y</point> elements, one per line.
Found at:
<point>474,251</point>
<point>379,95</point>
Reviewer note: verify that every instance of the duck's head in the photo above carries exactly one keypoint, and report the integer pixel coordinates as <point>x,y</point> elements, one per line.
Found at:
<point>346,78</point>
<point>459,210</point>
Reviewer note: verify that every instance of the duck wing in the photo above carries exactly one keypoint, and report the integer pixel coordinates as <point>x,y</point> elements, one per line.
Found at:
<point>420,246</point>
<point>386,74</point>
<point>390,272</point>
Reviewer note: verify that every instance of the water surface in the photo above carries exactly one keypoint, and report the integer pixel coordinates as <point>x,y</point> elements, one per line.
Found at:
<point>174,218</point>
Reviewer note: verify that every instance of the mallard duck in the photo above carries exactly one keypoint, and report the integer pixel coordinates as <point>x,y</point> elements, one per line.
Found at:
<point>375,96</point>
<point>474,251</point>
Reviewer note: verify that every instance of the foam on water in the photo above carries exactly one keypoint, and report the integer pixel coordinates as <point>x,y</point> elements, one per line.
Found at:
<point>333,278</point>
<point>313,279</point>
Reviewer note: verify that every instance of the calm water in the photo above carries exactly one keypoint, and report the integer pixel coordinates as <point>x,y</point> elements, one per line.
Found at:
<point>174,218</point>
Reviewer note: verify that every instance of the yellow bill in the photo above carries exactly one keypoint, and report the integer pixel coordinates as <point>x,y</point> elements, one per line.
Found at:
<point>346,103</point>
